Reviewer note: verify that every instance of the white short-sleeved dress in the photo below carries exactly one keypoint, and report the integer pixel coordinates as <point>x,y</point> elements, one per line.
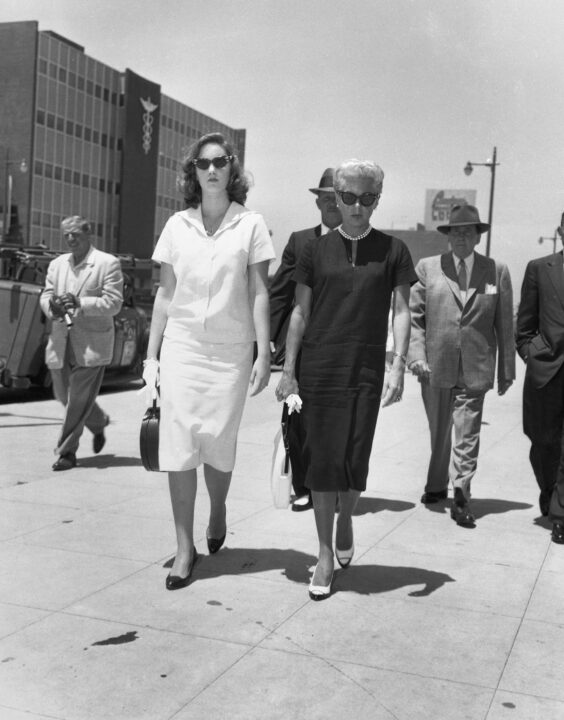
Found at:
<point>206,354</point>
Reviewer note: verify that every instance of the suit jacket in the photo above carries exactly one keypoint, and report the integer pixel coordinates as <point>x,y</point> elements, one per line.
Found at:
<point>445,331</point>
<point>540,318</point>
<point>101,297</point>
<point>283,286</point>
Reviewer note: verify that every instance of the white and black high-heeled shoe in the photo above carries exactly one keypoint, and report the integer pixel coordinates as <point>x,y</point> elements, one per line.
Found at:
<point>320,592</point>
<point>344,557</point>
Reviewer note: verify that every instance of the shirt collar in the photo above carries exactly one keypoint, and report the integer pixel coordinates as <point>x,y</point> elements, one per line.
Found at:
<point>86,260</point>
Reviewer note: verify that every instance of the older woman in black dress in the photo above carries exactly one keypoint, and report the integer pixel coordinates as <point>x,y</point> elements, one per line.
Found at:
<point>346,283</point>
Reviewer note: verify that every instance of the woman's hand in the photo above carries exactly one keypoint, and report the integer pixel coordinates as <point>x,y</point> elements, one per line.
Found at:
<point>393,386</point>
<point>260,375</point>
<point>288,385</point>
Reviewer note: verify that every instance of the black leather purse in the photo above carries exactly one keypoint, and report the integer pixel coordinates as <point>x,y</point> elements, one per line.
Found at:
<point>149,437</point>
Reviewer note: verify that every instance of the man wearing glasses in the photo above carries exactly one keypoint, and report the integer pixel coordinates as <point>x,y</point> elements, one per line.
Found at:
<point>83,291</point>
<point>461,311</point>
<point>281,305</point>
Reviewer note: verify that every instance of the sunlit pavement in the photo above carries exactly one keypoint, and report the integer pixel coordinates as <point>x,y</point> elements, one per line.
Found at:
<point>430,621</point>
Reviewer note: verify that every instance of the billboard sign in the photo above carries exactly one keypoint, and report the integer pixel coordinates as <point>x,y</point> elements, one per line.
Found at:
<point>438,204</point>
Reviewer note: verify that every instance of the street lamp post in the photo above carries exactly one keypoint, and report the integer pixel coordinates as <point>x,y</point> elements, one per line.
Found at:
<point>492,164</point>
<point>8,182</point>
<point>553,240</point>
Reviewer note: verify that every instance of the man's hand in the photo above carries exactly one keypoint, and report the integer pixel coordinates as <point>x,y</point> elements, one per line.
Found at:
<point>71,302</point>
<point>421,369</point>
<point>57,307</point>
<point>503,386</point>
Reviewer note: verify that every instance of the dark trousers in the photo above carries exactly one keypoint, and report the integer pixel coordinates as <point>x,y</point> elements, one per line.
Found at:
<point>543,424</point>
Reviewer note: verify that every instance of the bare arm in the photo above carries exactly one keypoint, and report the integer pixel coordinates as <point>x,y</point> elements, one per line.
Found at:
<point>401,327</point>
<point>258,295</point>
<point>298,323</point>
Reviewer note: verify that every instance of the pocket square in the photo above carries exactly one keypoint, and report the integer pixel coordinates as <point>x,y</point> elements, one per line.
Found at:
<point>490,289</point>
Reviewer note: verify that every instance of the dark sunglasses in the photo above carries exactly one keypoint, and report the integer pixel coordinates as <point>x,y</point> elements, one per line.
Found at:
<point>366,199</point>
<point>217,162</point>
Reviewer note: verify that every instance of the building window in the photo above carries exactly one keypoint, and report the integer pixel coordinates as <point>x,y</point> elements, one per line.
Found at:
<point>98,91</point>
<point>50,120</point>
<point>90,87</point>
<point>80,82</point>
<point>72,79</point>
<point>41,117</point>
<point>102,185</point>
<point>76,178</point>
<point>85,182</point>
<point>38,167</point>
<point>95,136</point>
<point>67,175</point>
<point>78,130</point>
<point>70,127</point>
<point>36,217</point>
<point>58,172</point>
<point>87,134</point>
<point>61,124</point>
<point>110,186</point>
<point>62,75</point>
<point>48,170</point>
<point>104,140</point>
<point>106,95</point>
<point>117,188</point>
<point>53,71</point>
<point>43,66</point>
<point>119,144</point>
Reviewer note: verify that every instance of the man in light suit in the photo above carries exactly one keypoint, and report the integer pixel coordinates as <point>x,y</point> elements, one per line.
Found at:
<point>461,311</point>
<point>83,291</point>
<point>281,304</point>
<point>540,342</point>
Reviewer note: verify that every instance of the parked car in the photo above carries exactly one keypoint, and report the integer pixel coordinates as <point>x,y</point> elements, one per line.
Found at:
<point>24,328</point>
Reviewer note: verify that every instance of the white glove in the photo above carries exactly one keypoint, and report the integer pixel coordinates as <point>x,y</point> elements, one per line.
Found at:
<point>151,376</point>
<point>294,403</point>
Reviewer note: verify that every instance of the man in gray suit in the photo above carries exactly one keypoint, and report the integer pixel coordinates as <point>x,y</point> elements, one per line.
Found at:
<point>83,291</point>
<point>461,311</point>
<point>282,290</point>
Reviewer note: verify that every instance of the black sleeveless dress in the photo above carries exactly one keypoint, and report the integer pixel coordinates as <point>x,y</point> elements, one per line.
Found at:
<point>344,351</point>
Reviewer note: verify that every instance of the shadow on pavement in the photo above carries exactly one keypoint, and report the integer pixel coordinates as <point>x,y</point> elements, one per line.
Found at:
<point>297,567</point>
<point>491,506</point>
<point>373,505</point>
<point>373,579</point>
<point>105,461</point>
<point>293,564</point>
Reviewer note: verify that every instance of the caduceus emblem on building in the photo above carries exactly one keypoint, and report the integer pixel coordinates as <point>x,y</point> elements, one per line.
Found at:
<point>149,108</point>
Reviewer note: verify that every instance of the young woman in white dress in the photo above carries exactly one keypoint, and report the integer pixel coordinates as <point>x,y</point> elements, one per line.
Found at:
<point>210,308</point>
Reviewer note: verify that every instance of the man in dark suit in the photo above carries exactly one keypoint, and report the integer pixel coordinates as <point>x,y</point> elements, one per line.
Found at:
<point>461,316</point>
<point>281,305</point>
<point>540,342</point>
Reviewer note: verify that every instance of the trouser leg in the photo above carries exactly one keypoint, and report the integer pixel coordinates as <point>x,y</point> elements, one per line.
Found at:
<point>83,387</point>
<point>543,415</point>
<point>438,407</point>
<point>467,420</point>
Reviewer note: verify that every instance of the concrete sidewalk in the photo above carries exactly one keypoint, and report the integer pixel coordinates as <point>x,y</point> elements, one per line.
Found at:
<point>430,621</point>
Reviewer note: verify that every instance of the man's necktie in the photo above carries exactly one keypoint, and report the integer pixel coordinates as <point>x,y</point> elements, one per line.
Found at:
<point>462,279</point>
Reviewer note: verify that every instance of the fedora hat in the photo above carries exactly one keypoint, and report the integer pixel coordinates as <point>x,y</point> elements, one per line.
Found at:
<point>461,216</point>
<point>325,184</point>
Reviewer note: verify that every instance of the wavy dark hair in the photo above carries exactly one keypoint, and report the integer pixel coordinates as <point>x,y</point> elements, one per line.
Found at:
<point>238,185</point>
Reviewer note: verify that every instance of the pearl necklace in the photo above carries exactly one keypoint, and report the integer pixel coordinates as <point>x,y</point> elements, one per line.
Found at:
<point>358,237</point>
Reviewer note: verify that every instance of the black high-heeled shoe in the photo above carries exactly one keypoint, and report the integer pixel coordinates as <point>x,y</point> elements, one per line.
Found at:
<point>175,582</point>
<point>215,544</point>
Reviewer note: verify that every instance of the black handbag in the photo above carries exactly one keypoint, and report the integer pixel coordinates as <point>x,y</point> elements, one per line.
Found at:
<point>149,437</point>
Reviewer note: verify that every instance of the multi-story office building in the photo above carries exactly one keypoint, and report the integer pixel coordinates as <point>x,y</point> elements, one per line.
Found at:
<point>78,137</point>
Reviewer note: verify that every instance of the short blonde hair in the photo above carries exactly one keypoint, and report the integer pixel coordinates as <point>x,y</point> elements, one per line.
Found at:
<point>359,168</point>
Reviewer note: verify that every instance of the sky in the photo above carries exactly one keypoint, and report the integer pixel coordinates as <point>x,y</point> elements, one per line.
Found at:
<point>419,86</point>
